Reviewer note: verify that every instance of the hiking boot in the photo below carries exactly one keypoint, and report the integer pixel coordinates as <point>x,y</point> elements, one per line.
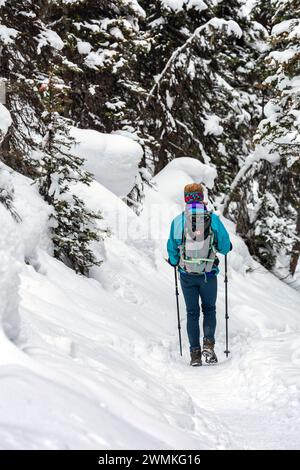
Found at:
<point>196,357</point>
<point>209,352</point>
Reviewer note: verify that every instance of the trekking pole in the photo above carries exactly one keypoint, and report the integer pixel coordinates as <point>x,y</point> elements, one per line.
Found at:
<point>226,306</point>
<point>177,303</point>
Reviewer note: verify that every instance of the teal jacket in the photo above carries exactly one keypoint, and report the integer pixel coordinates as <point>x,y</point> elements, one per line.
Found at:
<point>222,240</point>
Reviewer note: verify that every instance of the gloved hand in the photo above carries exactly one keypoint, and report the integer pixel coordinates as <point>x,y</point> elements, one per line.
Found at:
<point>173,265</point>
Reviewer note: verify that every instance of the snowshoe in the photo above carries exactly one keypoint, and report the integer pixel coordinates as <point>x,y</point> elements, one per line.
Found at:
<point>208,352</point>
<point>196,358</point>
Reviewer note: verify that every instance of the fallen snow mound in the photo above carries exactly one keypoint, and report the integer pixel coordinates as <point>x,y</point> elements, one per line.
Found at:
<point>113,159</point>
<point>167,201</point>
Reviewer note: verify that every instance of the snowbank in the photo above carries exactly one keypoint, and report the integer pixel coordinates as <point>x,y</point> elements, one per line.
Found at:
<point>5,121</point>
<point>167,201</point>
<point>23,231</point>
<point>113,159</point>
<point>116,214</point>
<point>183,171</point>
<point>31,213</point>
<point>98,364</point>
<point>34,213</point>
<point>11,251</point>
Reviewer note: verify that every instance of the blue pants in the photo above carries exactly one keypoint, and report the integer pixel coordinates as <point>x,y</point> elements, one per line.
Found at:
<point>195,287</point>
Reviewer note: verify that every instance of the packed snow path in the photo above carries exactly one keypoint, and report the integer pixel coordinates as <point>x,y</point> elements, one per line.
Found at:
<point>97,365</point>
<point>101,369</point>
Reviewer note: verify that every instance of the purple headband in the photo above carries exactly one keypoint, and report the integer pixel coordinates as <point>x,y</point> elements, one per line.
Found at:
<point>193,197</point>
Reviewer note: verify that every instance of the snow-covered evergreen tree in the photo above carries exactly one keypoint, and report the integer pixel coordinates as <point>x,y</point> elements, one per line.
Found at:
<point>267,198</point>
<point>203,102</point>
<point>279,133</point>
<point>104,53</point>
<point>19,65</point>
<point>73,227</point>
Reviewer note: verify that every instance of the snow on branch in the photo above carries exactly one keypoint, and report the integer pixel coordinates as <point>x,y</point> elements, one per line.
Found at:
<point>231,28</point>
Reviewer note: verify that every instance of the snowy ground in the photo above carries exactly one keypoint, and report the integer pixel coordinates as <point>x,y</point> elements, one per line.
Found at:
<point>97,365</point>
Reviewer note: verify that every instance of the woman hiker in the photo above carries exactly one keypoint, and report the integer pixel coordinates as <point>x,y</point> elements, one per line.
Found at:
<point>196,236</point>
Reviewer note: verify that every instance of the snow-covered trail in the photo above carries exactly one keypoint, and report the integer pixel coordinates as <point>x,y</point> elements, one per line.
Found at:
<point>252,420</point>
<point>255,393</point>
<point>252,398</point>
<point>101,369</point>
<point>97,364</point>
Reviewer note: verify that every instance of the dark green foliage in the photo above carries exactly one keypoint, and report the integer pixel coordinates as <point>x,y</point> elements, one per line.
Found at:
<point>73,227</point>
<point>73,233</point>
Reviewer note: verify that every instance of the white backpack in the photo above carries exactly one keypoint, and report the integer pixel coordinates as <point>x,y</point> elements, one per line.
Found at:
<point>197,251</point>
